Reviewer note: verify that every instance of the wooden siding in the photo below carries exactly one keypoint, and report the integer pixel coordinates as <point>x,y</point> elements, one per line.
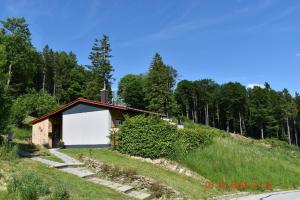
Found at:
<point>40,132</point>
<point>116,114</point>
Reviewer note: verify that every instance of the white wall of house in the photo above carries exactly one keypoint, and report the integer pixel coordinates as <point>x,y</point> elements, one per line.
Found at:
<point>86,125</point>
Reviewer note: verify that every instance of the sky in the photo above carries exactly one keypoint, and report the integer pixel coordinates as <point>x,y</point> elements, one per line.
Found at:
<point>248,41</point>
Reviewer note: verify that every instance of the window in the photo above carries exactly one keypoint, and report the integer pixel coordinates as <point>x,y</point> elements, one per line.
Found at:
<point>118,122</point>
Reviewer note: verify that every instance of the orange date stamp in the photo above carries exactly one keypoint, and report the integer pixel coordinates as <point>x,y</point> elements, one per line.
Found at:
<point>237,185</point>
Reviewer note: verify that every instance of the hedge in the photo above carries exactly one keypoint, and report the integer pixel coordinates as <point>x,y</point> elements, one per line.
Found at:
<point>147,137</point>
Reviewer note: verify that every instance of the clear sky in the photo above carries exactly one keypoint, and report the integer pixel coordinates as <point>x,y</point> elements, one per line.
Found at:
<point>249,41</point>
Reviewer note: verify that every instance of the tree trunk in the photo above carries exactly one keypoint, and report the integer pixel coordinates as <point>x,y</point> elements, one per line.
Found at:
<point>262,132</point>
<point>296,133</point>
<point>54,89</point>
<point>206,116</point>
<point>218,116</point>
<point>227,128</point>
<point>288,130</point>
<point>44,79</point>
<point>241,128</point>
<point>187,112</point>
<point>9,75</point>
<point>244,126</point>
<point>195,110</point>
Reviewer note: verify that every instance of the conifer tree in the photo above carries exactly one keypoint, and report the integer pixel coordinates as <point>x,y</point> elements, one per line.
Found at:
<point>100,68</point>
<point>160,82</point>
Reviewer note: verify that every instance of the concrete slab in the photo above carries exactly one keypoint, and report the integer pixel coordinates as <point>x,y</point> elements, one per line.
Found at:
<point>112,185</point>
<point>78,171</point>
<point>49,163</point>
<point>67,159</point>
<point>139,195</point>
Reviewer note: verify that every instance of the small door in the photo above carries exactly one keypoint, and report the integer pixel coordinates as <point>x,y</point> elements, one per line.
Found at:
<point>56,136</point>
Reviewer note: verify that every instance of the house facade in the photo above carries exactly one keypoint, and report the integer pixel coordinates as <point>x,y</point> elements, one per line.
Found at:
<point>81,123</point>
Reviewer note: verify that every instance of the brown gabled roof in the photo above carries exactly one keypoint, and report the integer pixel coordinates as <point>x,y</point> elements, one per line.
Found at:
<point>95,103</point>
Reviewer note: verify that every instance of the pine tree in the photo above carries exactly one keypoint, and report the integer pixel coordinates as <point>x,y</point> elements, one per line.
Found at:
<point>101,68</point>
<point>160,82</point>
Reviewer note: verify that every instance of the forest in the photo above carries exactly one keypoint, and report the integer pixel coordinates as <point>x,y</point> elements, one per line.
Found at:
<point>33,82</point>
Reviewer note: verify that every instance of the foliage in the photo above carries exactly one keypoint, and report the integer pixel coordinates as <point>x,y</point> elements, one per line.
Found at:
<point>160,81</point>
<point>131,89</point>
<point>8,150</point>
<point>100,68</point>
<point>192,138</point>
<point>5,107</point>
<point>34,104</point>
<point>27,186</point>
<point>146,137</point>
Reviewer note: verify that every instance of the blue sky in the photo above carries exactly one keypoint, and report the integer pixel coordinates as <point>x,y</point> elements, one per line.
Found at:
<point>249,41</point>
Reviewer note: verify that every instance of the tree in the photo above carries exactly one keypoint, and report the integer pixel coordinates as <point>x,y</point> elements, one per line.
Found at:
<point>233,103</point>
<point>260,113</point>
<point>160,82</point>
<point>131,90</point>
<point>4,98</point>
<point>100,68</point>
<point>184,97</point>
<point>19,53</point>
<point>290,112</point>
<point>205,90</point>
<point>32,104</point>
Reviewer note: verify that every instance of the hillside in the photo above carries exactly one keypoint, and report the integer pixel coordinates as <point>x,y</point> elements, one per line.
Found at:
<point>263,164</point>
<point>260,165</point>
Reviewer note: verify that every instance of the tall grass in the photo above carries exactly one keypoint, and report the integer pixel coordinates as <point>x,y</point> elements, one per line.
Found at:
<point>229,160</point>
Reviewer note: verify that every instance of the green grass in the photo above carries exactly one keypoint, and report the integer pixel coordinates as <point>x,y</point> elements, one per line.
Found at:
<point>189,186</point>
<point>77,187</point>
<point>232,160</point>
<point>3,194</point>
<point>21,133</point>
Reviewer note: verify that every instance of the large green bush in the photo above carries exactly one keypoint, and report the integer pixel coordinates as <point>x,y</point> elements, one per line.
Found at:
<point>191,138</point>
<point>34,104</point>
<point>147,137</point>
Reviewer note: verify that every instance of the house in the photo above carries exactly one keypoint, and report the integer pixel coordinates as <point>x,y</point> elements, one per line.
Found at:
<point>81,123</point>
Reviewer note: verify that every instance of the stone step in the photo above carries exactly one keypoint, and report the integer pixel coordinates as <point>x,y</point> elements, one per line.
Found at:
<point>139,195</point>
<point>49,163</point>
<point>116,186</point>
<point>78,171</point>
<point>64,157</point>
<point>70,165</point>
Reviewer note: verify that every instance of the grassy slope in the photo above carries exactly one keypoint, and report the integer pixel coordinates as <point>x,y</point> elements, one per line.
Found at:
<point>232,160</point>
<point>186,185</point>
<point>21,133</point>
<point>78,188</point>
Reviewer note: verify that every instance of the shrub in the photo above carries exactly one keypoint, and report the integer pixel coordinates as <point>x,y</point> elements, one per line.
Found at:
<point>146,137</point>
<point>27,186</point>
<point>157,189</point>
<point>34,104</point>
<point>192,138</point>
<point>8,150</point>
<point>60,192</point>
<point>129,172</point>
<point>115,172</point>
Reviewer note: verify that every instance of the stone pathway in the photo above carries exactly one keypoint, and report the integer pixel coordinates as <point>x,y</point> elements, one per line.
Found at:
<point>73,166</point>
<point>64,157</point>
